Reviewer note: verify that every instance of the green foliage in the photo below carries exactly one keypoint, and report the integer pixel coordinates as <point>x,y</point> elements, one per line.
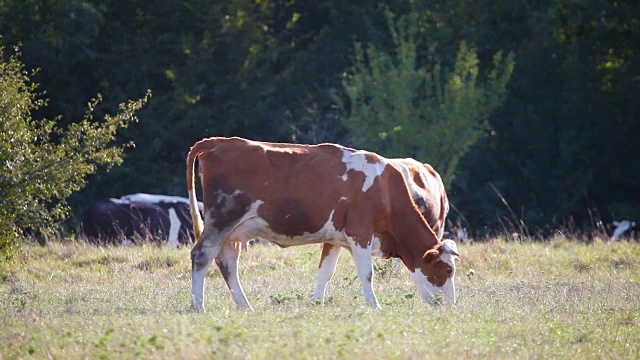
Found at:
<point>43,164</point>
<point>266,69</point>
<point>404,106</point>
<point>563,137</point>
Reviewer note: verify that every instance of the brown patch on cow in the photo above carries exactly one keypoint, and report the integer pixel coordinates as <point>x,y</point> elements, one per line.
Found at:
<point>372,158</point>
<point>417,177</point>
<point>339,218</point>
<point>224,270</point>
<point>288,216</point>
<point>326,249</point>
<point>356,179</point>
<point>436,270</point>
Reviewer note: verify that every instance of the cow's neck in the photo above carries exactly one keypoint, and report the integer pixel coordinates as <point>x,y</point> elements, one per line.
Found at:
<point>408,238</point>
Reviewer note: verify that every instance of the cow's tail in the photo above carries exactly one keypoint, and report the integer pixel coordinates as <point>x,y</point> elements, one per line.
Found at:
<point>198,224</point>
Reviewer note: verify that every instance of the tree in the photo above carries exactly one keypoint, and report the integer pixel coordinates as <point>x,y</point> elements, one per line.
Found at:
<point>402,107</point>
<point>266,69</point>
<point>43,164</point>
<point>563,138</point>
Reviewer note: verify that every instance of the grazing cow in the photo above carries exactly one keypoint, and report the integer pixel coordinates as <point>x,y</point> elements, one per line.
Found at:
<point>304,194</point>
<point>140,216</point>
<point>429,195</point>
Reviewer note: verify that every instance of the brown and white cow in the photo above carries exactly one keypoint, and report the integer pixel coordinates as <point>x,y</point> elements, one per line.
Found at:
<point>428,193</point>
<point>295,194</point>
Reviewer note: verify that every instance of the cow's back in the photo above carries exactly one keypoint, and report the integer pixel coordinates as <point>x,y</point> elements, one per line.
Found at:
<point>297,186</point>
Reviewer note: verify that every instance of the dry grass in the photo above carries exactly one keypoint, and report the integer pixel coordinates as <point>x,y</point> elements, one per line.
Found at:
<point>561,299</point>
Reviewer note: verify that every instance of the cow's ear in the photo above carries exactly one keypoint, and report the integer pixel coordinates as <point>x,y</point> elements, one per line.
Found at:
<point>430,256</point>
<point>449,247</point>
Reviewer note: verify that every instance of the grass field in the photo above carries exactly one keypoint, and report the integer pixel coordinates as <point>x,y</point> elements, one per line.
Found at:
<point>560,299</point>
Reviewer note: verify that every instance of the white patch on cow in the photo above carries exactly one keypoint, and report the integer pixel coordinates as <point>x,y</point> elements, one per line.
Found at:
<point>250,226</point>
<point>417,192</point>
<point>154,199</point>
<point>449,259</point>
<point>357,161</point>
<point>247,230</point>
<point>212,214</point>
<point>253,209</point>
<point>197,287</point>
<point>428,291</point>
<point>253,226</point>
<point>174,229</point>
<point>375,247</point>
<point>227,199</point>
<point>449,247</point>
<point>328,231</point>
<point>119,201</point>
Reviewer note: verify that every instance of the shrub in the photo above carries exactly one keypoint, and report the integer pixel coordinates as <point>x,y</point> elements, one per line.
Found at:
<point>43,164</point>
<point>402,105</point>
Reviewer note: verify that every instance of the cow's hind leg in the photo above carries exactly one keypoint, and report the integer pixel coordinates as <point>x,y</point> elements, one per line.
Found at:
<point>202,254</point>
<point>227,261</point>
<point>328,261</point>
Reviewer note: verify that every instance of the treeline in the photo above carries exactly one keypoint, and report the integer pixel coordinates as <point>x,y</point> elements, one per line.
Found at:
<point>553,144</point>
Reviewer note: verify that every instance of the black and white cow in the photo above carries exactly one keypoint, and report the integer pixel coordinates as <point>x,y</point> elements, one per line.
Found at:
<point>140,217</point>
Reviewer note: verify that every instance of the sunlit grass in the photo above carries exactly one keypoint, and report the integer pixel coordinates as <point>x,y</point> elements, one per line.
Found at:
<point>560,299</point>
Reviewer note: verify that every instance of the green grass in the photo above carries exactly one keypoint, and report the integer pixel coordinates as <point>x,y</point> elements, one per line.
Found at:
<point>560,299</point>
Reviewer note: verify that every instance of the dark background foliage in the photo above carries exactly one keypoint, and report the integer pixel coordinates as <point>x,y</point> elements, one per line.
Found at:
<point>560,150</point>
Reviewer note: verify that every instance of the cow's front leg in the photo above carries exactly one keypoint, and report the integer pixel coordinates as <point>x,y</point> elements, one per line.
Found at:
<point>328,261</point>
<point>227,261</point>
<point>364,266</point>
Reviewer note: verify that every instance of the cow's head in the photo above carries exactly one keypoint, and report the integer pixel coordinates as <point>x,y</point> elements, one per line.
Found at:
<point>434,275</point>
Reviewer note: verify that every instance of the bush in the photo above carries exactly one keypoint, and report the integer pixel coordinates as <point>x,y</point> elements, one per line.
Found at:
<point>42,164</point>
<point>401,105</point>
